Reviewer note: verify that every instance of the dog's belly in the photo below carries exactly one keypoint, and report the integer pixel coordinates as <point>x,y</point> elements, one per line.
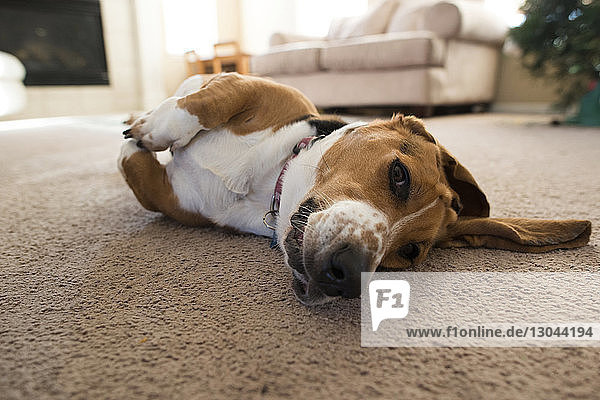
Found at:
<point>204,173</point>
<point>198,189</point>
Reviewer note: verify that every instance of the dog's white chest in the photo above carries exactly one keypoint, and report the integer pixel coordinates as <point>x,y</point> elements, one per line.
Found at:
<point>229,178</point>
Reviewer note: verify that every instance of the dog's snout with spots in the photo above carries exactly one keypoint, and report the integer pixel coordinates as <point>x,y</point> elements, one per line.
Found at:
<point>339,243</point>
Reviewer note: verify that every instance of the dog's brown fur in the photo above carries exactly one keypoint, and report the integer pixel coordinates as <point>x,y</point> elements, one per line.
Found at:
<point>245,104</point>
<point>148,180</point>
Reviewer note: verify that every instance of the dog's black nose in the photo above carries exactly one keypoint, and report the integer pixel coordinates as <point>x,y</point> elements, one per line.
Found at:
<point>127,133</point>
<point>340,276</point>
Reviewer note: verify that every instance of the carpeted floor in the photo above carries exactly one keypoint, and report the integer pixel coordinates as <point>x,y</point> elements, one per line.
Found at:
<point>102,299</point>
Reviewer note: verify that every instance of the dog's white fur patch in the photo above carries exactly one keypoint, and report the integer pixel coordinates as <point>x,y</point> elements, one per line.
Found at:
<point>404,221</point>
<point>166,126</point>
<point>230,178</point>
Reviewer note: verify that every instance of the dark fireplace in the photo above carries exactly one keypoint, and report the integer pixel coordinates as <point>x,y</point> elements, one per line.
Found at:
<point>60,42</point>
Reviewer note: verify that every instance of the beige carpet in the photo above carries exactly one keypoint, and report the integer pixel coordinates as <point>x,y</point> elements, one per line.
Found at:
<point>102,299</point>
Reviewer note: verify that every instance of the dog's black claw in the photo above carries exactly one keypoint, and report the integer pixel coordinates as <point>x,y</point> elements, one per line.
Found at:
<point>127,133</point>
<point>140,144</point>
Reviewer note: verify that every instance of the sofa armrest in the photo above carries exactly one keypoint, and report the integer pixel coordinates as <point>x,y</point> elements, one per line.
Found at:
<point>466,20</point>
<point>279,38</point>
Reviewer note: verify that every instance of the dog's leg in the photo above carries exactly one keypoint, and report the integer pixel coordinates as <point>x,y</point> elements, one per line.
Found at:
<point>241,104</point>
<point>150,183</point>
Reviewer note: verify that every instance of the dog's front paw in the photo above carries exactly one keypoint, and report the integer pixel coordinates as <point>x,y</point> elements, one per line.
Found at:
<point>164,127</point>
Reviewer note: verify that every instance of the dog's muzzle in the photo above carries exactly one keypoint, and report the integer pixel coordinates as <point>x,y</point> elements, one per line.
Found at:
<point>338,276</point>
<point>327,260</point>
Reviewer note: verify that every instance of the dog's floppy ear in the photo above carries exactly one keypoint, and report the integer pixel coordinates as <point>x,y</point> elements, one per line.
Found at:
<point>471,197</point>
<point>473,227</point>
<point>517,234</point>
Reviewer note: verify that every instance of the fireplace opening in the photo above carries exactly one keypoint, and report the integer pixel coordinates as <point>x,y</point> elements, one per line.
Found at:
<point>60,42</point>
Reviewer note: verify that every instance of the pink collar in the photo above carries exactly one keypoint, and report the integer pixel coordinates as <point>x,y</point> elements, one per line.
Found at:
<point>276,199</point>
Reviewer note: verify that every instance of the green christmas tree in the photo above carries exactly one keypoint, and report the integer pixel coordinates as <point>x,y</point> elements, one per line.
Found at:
<point>560,39</point>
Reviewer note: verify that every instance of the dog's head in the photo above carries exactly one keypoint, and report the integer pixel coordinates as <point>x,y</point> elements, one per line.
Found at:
<point>381,195</point>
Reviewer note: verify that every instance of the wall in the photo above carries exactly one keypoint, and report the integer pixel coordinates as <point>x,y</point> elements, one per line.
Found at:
<point>149,40</point>
<point>249,22</point>
<point>244,21</point>
<point>124,91</point>
<point>256,29</point>
<point>229,29</point>
<point>519,91</point>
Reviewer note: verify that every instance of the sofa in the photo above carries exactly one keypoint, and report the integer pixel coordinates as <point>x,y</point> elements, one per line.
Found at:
<point>400,53</point>
<point>12,90</point>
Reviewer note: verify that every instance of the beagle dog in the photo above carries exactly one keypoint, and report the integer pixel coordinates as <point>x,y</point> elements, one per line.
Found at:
<point>255,156</point>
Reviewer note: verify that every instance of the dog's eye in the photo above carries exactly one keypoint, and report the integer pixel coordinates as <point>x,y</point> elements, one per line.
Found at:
<point>409,251</point>
<point>399,179</point>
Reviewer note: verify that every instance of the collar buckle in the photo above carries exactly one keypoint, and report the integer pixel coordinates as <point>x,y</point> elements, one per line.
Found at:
<point>273,212</point>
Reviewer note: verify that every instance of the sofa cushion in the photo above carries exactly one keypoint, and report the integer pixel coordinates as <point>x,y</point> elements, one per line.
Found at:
<point>391,50</point>
<point>461,19</point>
<point>409,16</point>
<point>291,58</point>
<point>373,22</point>
<point>467,20</point>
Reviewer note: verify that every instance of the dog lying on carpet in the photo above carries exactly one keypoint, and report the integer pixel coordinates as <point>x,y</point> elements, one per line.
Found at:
<point>254,155</point>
